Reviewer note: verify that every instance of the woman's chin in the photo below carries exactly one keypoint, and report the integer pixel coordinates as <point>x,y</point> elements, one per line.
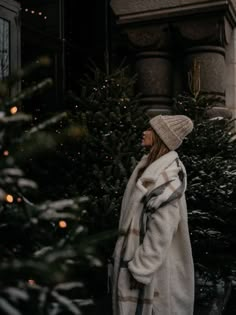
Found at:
<point>146,146</point>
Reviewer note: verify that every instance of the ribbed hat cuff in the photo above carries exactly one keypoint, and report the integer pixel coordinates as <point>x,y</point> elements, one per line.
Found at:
<point>171,140</point>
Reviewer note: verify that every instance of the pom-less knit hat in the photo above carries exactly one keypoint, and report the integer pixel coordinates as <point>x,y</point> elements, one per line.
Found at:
<point>172,129</point>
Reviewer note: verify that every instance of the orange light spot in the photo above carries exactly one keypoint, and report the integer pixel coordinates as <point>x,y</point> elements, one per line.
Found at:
<point>9,198</point>
<point>6,153</point>
<point>62,224</point>
<point>13,110</point>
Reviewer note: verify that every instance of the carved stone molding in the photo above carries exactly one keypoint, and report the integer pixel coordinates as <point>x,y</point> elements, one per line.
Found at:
<point>136,11</point>
<point>210,31</point>
<point>190,29</point>
<point>156,37</point>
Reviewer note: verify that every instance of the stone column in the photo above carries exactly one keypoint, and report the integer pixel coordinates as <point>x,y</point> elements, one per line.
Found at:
<point>154,80</point>
<point>231,75</point>
<point>153,64</point>
<point>212,68</point>
<point>205,42</point>
<point>197,29</point>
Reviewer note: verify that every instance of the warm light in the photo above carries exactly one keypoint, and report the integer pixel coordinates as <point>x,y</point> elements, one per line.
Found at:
<point>32,11</point>
<point>9,198</point>
<point>31,281</point>
<point>19,199</point>
<point>13,110</point>
<point>62,224</point>
<point>45,18</point>
<point>40,13</point>
<point>6,153</point>
<point>26,10</point>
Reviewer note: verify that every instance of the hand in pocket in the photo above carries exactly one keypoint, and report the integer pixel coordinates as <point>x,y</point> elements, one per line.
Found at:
<point>134,284</point>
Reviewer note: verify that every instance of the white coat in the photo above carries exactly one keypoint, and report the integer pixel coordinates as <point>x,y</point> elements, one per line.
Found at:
<point>161,260</point>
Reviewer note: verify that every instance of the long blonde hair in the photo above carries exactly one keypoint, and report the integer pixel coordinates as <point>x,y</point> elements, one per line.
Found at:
<point>157,150</point>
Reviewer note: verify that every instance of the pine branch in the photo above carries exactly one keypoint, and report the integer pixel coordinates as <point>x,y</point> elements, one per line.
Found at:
<point>27,93</point>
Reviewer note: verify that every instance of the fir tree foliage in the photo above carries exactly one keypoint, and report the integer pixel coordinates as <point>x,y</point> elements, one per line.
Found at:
<point>209,156</point>
<point>109,108</point>
<point>45,249</point>
<point>97,147</point>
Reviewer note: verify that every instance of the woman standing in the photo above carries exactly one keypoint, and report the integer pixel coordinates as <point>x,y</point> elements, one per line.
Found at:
<point>153,267</point>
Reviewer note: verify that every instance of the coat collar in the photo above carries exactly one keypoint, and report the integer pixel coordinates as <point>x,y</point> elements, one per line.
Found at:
<point>150,175</point>
<point>153,170</point>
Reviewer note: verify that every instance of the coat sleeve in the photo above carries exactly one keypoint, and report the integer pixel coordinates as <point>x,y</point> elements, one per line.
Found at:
<point>151,253</point>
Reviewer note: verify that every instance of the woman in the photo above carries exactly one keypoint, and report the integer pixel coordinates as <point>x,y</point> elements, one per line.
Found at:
<point>153,267</point>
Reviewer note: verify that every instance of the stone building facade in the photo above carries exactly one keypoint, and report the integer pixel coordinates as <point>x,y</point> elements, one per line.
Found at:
<point>166,36</point>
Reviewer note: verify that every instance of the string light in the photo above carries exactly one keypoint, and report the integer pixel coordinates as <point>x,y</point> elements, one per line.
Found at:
<point>62,224</point>
<point>13,110</point>
<point>6,153</point>
<point>31,282</point>
<point>9,198</point>
<point>40,13</point>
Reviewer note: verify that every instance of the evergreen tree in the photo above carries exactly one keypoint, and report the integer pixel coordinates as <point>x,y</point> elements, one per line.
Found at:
<point>109,109</point>
<point>88,151</point>
<point>209,156</point>
<point>45,248</point>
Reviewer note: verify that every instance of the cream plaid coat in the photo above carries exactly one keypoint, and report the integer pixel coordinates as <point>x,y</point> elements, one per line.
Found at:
<point>153,244</point>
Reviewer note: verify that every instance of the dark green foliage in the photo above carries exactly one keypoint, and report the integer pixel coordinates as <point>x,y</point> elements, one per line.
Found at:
<point>109,109</point>
<point>89,152</point>
<point>209,157</point>
<point>46,252</point>
<point>195,107</point>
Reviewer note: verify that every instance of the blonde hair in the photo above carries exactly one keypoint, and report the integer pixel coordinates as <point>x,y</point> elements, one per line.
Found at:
<point>157,150</point>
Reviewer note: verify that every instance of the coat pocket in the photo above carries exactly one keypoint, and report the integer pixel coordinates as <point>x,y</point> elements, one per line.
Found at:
<point>138,300</point>
<point>124,280</point>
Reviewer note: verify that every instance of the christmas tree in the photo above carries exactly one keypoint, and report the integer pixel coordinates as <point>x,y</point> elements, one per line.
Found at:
<point>46,249</point>
<point>83,157</point>
<point>104,125</point>
<point>108,108</point>
<point>209,156</point>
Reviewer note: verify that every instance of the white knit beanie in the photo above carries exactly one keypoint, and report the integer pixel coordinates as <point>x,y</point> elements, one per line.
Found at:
<point>172,129</point>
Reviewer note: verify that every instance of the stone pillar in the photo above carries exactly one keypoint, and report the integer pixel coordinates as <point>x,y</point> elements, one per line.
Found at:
<point>212,68</point>
<point>153,64</point>
<point>196,29</point>
<point>231,75</point>
<point>154,80</point>
<point>205,42</point>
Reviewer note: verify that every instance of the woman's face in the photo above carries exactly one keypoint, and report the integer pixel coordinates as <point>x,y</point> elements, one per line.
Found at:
<point>147,139</point>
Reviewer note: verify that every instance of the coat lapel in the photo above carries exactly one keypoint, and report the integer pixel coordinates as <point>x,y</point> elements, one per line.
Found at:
<point>138,189</point>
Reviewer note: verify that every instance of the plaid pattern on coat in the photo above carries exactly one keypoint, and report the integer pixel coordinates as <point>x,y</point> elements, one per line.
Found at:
<point>153,246</point>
